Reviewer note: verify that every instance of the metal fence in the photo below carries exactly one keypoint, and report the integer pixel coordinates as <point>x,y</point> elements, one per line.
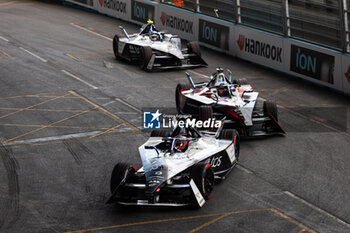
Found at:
<point>323,22</point>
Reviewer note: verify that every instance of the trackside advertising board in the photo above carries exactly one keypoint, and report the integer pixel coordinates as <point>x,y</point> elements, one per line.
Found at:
<point>313,63</point>
<point>116,8</point>
<point>142,11</point>
<point>258,47</point>
<point>345,73</point>
<point>215,34</point>
<point>177,21</point>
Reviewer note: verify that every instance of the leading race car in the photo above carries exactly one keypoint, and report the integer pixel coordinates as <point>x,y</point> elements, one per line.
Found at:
<point>156,50</point>
<point>179,168</point>
<point>235,101</point>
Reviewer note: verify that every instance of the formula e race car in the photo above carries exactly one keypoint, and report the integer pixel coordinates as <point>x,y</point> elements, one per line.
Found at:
<point>153,49</point>
<point>233,101</point>
<point>179,168</point>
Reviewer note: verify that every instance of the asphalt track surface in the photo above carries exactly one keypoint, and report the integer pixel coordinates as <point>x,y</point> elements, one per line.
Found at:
<point>69,111</point>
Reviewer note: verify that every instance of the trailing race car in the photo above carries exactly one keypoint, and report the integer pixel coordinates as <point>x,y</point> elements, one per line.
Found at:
<point>232,100</point>
<point>156,50</point>
<point>179,168</point>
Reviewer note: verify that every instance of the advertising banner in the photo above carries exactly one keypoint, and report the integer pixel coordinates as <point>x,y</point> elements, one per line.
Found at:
<point>177,21</point>
<point>142,11</point>
<point>313,63</point>
<point>117,8</point>
<point>215,34</point>
<point>258,47</point>
<point>345,73</point>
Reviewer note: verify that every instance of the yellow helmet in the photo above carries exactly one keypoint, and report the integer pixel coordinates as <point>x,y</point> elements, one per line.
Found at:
<point>150,21</point>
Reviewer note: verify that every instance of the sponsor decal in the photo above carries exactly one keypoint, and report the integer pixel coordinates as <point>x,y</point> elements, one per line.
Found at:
<point>213,34</point>
<point>259,48</point>
<point>311,63</point>
<point>156,120</point>
<point>347,74</point>
<point>141,12</point>
<point>216,161</point>
<point>177,23</point>
<point>115,5</point>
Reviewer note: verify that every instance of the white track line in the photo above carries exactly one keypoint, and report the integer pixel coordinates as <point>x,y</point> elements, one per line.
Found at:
<point>54,138</point>
<point>317,208</point>
<point>33,54</point>
<point>197,73</point>
<point>128,105</point>
<point>3,38</point>
<point>240,167</point>
<point>79,79</point>
<point>87,30</point>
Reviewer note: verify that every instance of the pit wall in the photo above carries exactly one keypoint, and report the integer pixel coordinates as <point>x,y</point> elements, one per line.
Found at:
<point>305,60</point>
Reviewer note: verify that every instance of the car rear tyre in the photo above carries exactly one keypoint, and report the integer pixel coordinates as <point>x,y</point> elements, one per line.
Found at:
<point>193,47</point>
<point>232,135</point>
<point>270,109</point>
<point>119,173</point>
<point>203,176</point>
<point>160,133</point>
<point>179,98</point>
<point>145,57</point>
<point>115,46</point>
<point>205,113</point>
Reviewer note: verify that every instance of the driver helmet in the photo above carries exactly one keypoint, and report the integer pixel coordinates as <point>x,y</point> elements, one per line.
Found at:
<point>181,144</point>
<point>223,91</point>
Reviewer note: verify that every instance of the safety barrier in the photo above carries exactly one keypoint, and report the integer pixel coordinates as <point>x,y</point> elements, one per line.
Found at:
<point>311,62</point>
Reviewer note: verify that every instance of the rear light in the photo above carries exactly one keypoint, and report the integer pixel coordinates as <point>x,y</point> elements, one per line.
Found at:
<point>157,190</point>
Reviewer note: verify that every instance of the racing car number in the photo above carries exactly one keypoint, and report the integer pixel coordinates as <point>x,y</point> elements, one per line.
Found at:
<point>216,161</point>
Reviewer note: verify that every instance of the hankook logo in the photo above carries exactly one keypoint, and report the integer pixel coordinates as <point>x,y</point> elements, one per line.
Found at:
<point>177,23</point>
<point>347,74</point>
<point>259,48</point>
<point>118,6</point>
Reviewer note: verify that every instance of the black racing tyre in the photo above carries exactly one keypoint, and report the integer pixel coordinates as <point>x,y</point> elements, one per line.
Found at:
<point>203,176</point>
<point>193,47</point>
<point>180,100</point>
<point>115,46</point>
<point>119,173</point>
<point>160,133</point>
<point>145,56</point>
<point>270,109</point>
<point>233,135</point>
<point>205,112</point>
<point>242,81</point>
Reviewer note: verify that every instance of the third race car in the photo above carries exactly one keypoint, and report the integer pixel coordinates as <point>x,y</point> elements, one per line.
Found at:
<point>154,49</point>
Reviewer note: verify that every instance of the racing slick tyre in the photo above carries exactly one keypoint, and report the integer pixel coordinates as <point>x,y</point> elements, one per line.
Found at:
<point>180,100</point>
<point>115,46</point>
<point>205,112</point>
<point>160,133</point>
<point>145,57</point>
<point>119,173</point>
<point>193,47</point>
<point>233,135</point>
<point>203,176</point>
<point>270,109</point>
